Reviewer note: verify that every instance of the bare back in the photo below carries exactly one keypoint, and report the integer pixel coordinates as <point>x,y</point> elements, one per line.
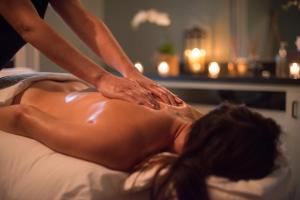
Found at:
<point>130,132</point>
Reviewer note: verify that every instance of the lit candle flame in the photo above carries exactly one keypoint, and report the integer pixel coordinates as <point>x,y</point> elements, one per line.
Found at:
<point>295,70</point>
<point>163,68</point>
<point>214,69</point>
<point>196,53</point>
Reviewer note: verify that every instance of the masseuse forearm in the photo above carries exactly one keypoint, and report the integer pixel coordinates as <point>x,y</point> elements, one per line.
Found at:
<point>105,45</point>
<point>62,53</point>
<point>94,33</point>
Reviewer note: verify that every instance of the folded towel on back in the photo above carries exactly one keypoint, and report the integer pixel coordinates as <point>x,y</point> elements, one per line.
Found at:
<point>13,82</point>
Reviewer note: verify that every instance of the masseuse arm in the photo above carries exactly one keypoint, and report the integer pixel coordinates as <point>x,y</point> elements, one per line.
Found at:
<point>98,37</point>
<point>23,17</point>
<point>76,140</point>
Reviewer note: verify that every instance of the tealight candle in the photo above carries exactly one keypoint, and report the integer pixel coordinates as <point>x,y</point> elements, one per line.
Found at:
<point>242,66</point>
<point>163,69</point>
<point>214,70</point>
<point>231,69</point>
<point>139,67</point>
<point>295,70</point>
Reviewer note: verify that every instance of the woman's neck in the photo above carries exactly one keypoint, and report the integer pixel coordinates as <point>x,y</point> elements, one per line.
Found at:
<point>183,129</point>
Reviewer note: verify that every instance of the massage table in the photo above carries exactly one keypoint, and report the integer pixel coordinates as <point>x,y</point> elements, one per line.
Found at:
<point>31,171</point>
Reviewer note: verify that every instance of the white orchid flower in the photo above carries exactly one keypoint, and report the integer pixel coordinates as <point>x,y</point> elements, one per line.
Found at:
<point>152,16</point>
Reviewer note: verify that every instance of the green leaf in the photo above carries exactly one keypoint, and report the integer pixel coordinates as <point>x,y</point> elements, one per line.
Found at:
<point>167,48</point>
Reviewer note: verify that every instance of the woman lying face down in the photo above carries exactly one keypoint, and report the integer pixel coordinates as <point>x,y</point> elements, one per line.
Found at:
<point>230,141</point>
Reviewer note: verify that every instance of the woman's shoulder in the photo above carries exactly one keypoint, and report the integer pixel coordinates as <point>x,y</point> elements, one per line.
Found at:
<point>184,111</point>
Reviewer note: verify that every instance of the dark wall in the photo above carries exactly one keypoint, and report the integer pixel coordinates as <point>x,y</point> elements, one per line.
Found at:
<point>260,36</point>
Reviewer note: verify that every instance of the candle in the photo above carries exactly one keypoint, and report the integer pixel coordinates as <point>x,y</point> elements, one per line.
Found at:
<point>242,66</point>
<point>196,53</point>
<point>214,70</point>
<point>139,67</point>
<point>231,69</point>
<point>163,69</point>
<point>196,59</point>
<point>171,60</point>
<point>295,70</point>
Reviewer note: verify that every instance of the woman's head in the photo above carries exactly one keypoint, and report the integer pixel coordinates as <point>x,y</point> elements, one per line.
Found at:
<point>231,142</point>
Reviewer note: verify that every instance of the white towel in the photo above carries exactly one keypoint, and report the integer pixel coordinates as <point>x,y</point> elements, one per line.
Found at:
<point>8,93</point>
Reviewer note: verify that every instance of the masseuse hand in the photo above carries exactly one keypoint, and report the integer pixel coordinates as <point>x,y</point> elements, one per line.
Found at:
<point>161,93</point>
<point>123,88</point>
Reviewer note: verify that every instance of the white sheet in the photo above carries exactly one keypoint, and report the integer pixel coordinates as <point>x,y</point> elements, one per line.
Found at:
<point>30,170</point>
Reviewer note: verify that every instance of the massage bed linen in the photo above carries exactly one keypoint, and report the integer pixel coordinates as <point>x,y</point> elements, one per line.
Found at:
<point>31,171</point>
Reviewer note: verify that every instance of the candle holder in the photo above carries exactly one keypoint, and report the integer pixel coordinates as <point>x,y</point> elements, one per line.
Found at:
<point>242,66</point>
<point>195,60</point>
<point>194,53</point>
<point>231,69</point>
<point>171,60</point>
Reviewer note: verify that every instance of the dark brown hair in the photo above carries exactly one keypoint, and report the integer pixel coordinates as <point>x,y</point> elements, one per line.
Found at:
<point>231,142</point>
